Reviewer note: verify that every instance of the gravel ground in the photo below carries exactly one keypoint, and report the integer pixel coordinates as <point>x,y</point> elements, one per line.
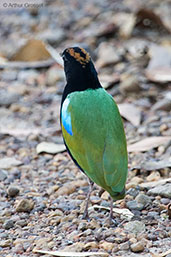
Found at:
<point>42,192</point>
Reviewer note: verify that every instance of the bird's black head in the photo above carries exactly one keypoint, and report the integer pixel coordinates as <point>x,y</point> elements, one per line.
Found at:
<point>79,69</point>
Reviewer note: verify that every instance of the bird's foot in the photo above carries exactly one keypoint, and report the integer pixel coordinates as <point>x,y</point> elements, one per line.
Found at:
<point>86,216</point>
<point>113,222</point>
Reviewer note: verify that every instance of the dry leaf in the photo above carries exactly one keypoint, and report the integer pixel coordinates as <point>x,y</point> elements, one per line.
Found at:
<point>130,112</point>
<point>71,254</point>
<point>125,212</point>
<point>51,148</point>
<point>154,19</point>
<point>147,144</point>
<point>33,50</point>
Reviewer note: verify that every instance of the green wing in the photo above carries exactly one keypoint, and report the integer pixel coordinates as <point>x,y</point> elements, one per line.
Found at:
<point>98,141</point>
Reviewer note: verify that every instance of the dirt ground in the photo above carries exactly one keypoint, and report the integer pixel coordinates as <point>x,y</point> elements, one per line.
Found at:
<point>42,192</point>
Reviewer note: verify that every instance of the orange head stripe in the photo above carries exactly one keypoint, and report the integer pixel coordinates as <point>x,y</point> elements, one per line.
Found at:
<point>78,57</point>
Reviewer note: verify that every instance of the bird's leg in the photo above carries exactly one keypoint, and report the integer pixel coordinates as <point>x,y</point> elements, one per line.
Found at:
<point>111,218</point>
<point>111,211</point>
<point>91,183</point>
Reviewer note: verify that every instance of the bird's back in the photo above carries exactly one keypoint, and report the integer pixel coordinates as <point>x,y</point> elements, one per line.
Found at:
<point>95,137</point>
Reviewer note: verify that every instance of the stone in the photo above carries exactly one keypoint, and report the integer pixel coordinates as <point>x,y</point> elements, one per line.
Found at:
<point>8,224</point>
<point>107,246</point>
<point>162,190</point>
<point>5,243</point>
<point>9,162</point>
<point>133,192</point>
<point>143,199</point>
<point>52,36</point>
<point>24,205</point>
<point>124,246</point>
<point>135,227</point>
<point>21,223</point>
<point>53,75</point>
<point>90,245</point>
<point>129,83</point>
<point>13,191</point>
<point>7,98</point>
<point>3,175</point>
<point>134,205</point>
<point>107,55</point>
<point>163,105</point>
<point>137,247</point>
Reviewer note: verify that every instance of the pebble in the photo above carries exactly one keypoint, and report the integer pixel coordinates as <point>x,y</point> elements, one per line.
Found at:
<point>24,205</point>
<point>133,192</point>
<point>3,235</point>
<point>107,55</point>
<point>143,199</point>
<point>106,246</point>
<point>163,190</point>
<point>8,98</point>
<point>5,243</point>
<point>134,205</point>
<point>153,214</point>
<point>137,247</point>
<point>3,175</point>
<point>124,246</point>
<point>135,227</point>
<point>21,223</point>
<point>164,105</point>
<point>90,245</point>
<point>8,224</point>
<point>129,83</point>
<point>13,191</point>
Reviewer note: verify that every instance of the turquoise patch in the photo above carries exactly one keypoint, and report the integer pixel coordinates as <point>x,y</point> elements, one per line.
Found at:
<point>66,117</point>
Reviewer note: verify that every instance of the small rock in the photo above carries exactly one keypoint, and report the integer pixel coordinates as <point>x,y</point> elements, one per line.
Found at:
<point>5,243</point>
<point>162,190</point>
<point>106,246</point>
<point>165,201</point>
<point>24,205</point>
<point>90,245</point>
<point>134,205</point>
<point>164,105</point>
<point>143,199</point>
<point>8,162</point>
<point>107,55</point>
<point>137,247</point>
<point>135,227</point>
<point>3,175</point>
<point>21,223</point>
<point>13,191</point>
<point>124,246</point>
<point>133,192</point>
<point>129,83</point>
<point>53,75</point>
<point>153,214</point>
<point>154,176</point>
<point>8,224</point>
<point>52,36</point>
<point>7,98</point>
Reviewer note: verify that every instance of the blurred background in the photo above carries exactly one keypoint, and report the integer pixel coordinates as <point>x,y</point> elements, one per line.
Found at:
<point>130,44</point>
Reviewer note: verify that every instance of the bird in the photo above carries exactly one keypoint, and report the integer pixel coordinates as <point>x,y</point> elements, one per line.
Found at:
<point>92,127</point>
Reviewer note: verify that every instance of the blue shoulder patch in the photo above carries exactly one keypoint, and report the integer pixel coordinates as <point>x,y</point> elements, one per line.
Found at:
<point>66,117</point>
